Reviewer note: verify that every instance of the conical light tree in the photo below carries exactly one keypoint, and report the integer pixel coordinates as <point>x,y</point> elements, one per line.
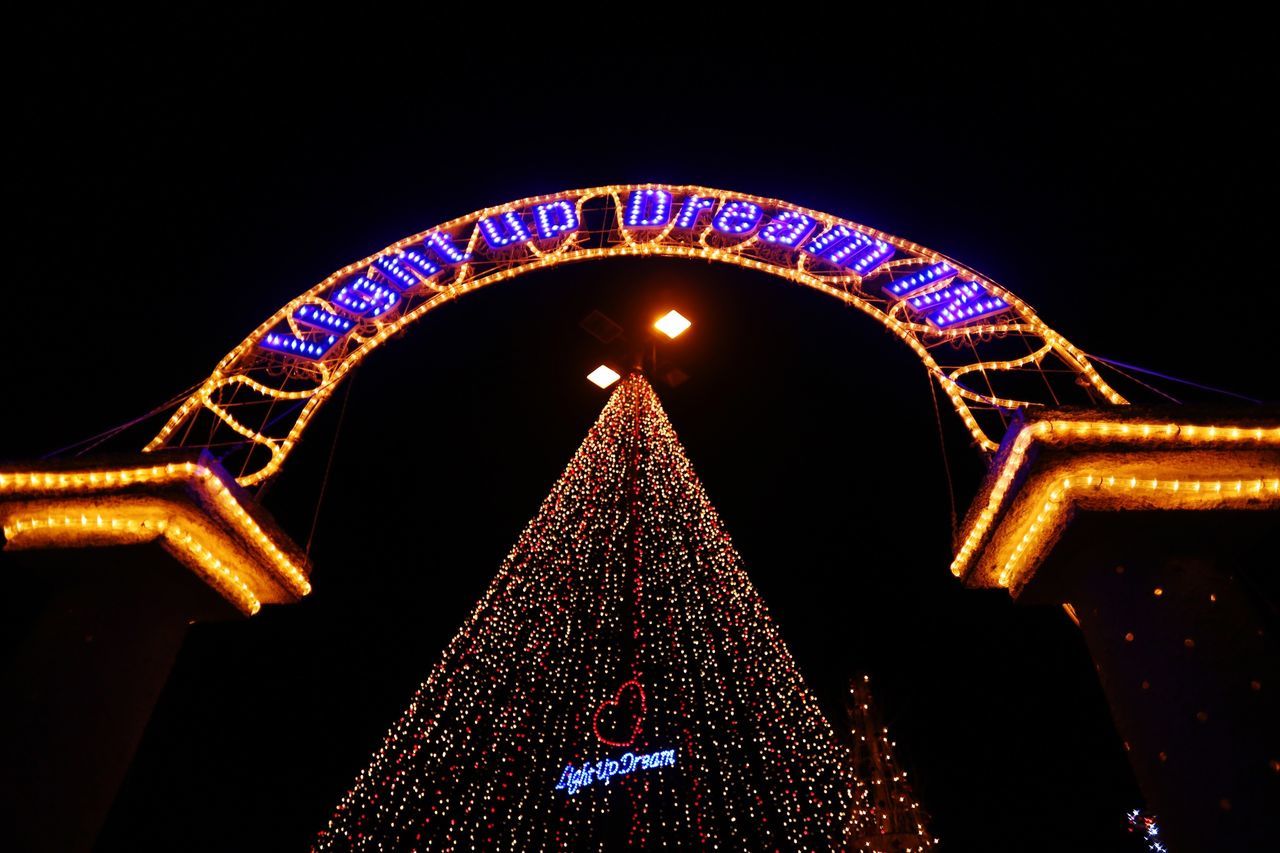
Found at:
<point>885,816</point>
<point>620,682</point>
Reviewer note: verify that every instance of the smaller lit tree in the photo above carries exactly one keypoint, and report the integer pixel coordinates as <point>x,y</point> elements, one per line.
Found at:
<point>885,816</point>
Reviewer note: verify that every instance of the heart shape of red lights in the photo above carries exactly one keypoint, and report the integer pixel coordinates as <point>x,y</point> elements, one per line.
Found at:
<point>617,721</point>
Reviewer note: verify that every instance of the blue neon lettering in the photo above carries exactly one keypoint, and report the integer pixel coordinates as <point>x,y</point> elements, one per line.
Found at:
<point>291,344</point>
<point>363,298</point>
<point>692,209</point>
<point>788,228</point>
<point>502,231</point>
<point>973,303</point>
<point>933,292</point>
<point>318,318</point>
<point>737,217</point>
<point>555,217</point>
<point>930,275</point>
<point>310,346</point>
<point>420,263</point>
<point>844,247</point>
<point>837,244</point>
<point>406,270</point>
<point>926,303</point>
<point>871,258</point>
<point>649,208</point>
<point>442,244</point>
<point>604,769</point>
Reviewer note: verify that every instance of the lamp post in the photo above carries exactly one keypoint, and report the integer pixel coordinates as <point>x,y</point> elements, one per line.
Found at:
<point>644,355</point>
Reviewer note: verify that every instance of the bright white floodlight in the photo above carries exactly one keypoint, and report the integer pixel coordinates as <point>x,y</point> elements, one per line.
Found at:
<point>603,376</point>
<point>672,324</point>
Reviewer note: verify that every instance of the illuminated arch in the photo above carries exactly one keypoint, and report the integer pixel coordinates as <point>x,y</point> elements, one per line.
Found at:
<point>970,333</point>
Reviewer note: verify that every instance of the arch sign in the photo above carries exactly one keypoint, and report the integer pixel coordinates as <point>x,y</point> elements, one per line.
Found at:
<point>985,347</point>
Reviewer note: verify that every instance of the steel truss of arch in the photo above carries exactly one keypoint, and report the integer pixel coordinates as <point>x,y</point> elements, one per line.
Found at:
<point>990,354</point>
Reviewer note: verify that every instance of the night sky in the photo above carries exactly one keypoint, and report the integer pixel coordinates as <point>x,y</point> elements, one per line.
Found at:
<point>167,205</point>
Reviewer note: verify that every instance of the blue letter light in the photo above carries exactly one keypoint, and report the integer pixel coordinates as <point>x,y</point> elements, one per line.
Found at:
<point>363,298</point>
<point>972,303</point>
<point>573,779</point>
<point>308,346</point>
<point>933,274</point>
<point>555,217</point>
<point>789,228</point>
<point>737,217</point>
<point>844,247</point>
<point>293,345</point>
<point>692,209</point>
<point>649,208</point>
<point>927,303</point>
<point>501,231</point>
<point>318,318</point>
<point>406,270</point>
<point>442,244</point>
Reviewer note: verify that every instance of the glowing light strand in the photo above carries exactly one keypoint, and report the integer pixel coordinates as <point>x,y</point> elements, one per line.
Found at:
<point>72,507</point>
<point>1083,432</point>
<point>885,813</point>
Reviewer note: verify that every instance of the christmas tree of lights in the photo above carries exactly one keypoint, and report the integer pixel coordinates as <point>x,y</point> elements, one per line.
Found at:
<point>620,682</point>
<point>885,816</point>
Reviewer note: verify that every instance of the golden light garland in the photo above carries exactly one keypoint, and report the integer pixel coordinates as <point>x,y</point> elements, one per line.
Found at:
<point>218,539</point>
<point>1166,494</point>
<point>249,367</point>
<point>1171,480</point>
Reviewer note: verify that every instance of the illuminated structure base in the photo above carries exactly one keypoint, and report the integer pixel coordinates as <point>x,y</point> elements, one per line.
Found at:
<point>106,564</point>
<point>1156,532</point>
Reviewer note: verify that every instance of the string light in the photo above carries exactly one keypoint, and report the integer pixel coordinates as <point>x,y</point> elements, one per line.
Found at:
<point>625,220</point>
<point>622,615</point>
<point>1163,487</point>
<point>1167,494</point>
<point>1146,826</point>
<point>884,816</point>
<point>102,506</point>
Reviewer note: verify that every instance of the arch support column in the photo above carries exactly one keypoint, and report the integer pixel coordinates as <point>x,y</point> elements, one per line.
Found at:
<point>1156,531</point>
<point>106,563</point>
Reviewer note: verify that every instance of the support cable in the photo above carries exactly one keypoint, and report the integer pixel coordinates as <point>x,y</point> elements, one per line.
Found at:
<point>328,465</point>
<point>946,461</point>
<point>1119,364</point>
<point>93,441</point>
